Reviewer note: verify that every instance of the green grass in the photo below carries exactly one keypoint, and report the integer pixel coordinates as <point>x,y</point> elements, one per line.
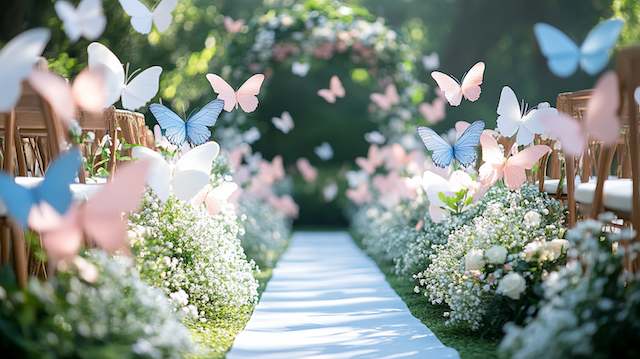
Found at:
<point>469,344</point>
<point>216,337</point>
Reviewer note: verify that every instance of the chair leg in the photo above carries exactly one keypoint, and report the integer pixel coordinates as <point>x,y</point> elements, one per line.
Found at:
<point>19,255</point>
<point>571,188</point>
<point>5,238</point>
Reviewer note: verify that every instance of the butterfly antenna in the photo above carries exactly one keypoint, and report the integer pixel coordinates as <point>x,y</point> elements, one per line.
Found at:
<point>126,71</point>
<point>132,74</point>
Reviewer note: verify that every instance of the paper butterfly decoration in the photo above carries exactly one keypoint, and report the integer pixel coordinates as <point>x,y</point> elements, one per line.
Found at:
<point>215,198</point>
<point>387,99</point>
<point>515,120</point>
<point>300,68</point>
<point>245,96</point>
<point>283,123</point>
<point>335,90</point>
<point>186,177</point>
<point>464,150</point>
<point>133,94</point>
<point>142,18</point>
<point>324,151</point>
<point>233,26</point>
<point>17,59</point>
<point>374,137</point>
<point>512,169</point>
<point>308,172</point>
<point>100,217</point>
<point>469,88</point>
<point>195,130</point>
<point>53,189</point>
<point>374,159</point>
<point>563,55</point>
<point>251,135</point>
<point>600,122</point>
<point>86,93</point>
<point>431,61</point>
<point>86,20</point>
<point>433,112</point>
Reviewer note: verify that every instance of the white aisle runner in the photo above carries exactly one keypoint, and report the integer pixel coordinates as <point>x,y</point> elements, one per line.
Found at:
<point>327,299</point>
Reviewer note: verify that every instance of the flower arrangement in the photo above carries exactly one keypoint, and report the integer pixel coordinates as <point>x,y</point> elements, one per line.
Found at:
<point>490,269</point>
<point>590,306</point>
<point>194,257</point>
<point>97,305</point>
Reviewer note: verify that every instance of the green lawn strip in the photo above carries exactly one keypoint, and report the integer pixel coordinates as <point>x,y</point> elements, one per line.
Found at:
<point>468,343</point>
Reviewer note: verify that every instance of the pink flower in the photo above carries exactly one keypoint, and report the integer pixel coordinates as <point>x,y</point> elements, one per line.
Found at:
<point>284,204</point>
<point>324,51</point>
<point>360,195</point>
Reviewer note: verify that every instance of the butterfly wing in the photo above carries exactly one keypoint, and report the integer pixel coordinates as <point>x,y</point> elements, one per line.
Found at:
<point>16,63</point>
<point>17,199</point>
<point>198,125</point>
<point>162,14</point>
<point>89,90</point>
<point>175,129</point>
<point>56,91</point>
<point>380,100</point>
<point>335,85</point>
<point>561,52</point>
<point>102,59</point>
<point>598,45</point>
<point>470,86</point>
<point>450,87</point>
<point>141,17</point>
<point>62,172</point>
<point>246,94</point>
<point>91,18</point>
<point>159,175</point>
<point>601,121</point>
<point>514,170</point>
<point>185,185</point>
<point>199,158</point>
<point>327,95</point>
<point>564,128</point>
<point>509,118</point>
<point>70,19</point>
<point>141,89</point>
<point>465,148</point>
<point>102,217</point>
<point>441,150</point>
<point>491,152</point>
<point>224,90</point>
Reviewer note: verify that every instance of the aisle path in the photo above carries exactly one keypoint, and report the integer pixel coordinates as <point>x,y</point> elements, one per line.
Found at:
<point>327,299</point>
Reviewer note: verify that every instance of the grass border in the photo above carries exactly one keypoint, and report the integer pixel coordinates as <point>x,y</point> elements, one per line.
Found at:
<point>469,344</point>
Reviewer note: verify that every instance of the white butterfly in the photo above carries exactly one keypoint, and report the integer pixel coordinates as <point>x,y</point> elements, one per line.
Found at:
<point>283,123</point>
<point>17,59</point>
<point>135,93</point>
<point>512,119</point>
<point>324,151</point>
<point>431,61</point>
<point>184,178</point>
<point>86,20</point>
<point>142,18</point>
<point>374,137</point>
<point>300,68</point>
<point>251,136</point>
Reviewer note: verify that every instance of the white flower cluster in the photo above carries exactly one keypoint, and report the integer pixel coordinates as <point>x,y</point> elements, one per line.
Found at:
<point>196,258</point>
<point>115,313</point>
<point>266,231</point>
<point>502,251</point>
<point>591,305</point>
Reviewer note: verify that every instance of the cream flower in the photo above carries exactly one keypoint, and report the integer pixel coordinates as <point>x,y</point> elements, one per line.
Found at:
<point>496,254</point>
<point>474,260</point>
<point>512,285</point>
<point>532,219</point>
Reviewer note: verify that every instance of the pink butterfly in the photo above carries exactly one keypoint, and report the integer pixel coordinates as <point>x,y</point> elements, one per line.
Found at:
<point>86,93</point>
<point>100,217</point>
<point>512,169</point>
<point>233,26</point>
<point>215,198</point>
<point>308,172</point>
<point>374,160</point>
<point>461,126</point>
<point>433,112</point>
<point>454,91</point>
<point>600,122</point>
<point>284,204</point>
<point>387,99</point>
<point>334,91</point>
<point>245,96</point>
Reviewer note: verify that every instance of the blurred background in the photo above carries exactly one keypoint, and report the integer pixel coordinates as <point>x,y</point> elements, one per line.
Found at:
<point>462,32</point>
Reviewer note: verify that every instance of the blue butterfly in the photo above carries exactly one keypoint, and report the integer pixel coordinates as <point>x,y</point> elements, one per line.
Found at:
<point>464,150</point>
<point>563,55</point>
<point>54,188</point>
<point>195,130</point>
